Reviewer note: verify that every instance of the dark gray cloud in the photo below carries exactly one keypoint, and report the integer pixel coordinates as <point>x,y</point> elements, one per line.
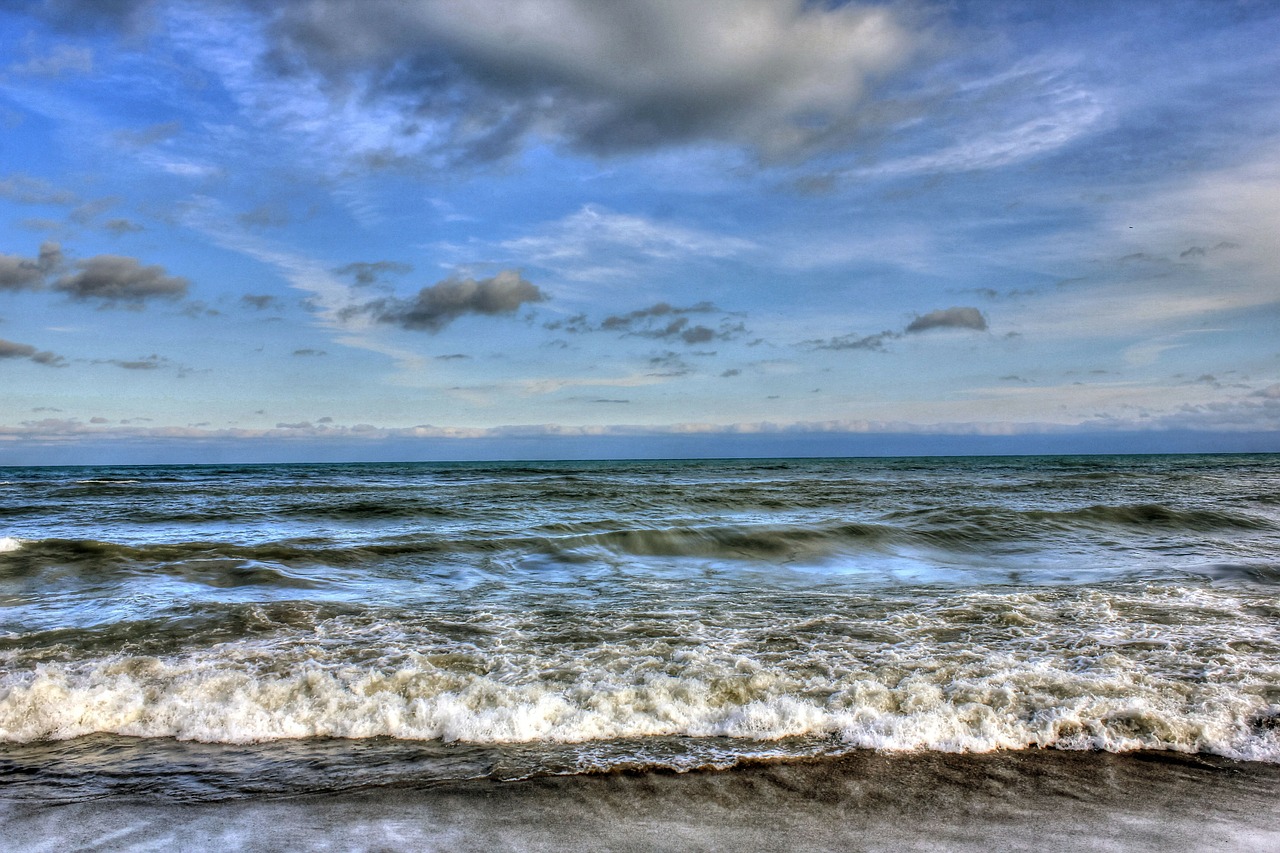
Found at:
<point>958,317</point>
<point>1201,251</point>
<point>660,321</point>
<point>443,302</point>
<point>854,341</point>
<point>113,279</point>
<point>660,310</point>
<point>19,273</point>
<point>943,318</point>
<point>308,351</point>
<point>368,272</point>
<point>12,349</point>
<point>669,363</point>
<point>453,356</point>
<point>261,301</point>
<point>781,77</point>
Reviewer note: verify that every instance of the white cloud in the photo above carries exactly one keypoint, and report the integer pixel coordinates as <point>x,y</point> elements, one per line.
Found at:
<point>596,244</point>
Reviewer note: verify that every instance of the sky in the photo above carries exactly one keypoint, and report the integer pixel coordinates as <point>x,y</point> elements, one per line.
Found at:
<point>240,230</point>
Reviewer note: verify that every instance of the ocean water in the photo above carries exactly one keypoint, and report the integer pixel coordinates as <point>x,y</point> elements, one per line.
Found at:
<point>201,633</point>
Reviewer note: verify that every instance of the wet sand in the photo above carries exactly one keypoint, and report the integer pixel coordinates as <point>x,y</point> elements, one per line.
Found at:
<point>1034,800</point>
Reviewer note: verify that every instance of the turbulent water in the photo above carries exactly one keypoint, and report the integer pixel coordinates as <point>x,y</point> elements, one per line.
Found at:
<point>215,630</point>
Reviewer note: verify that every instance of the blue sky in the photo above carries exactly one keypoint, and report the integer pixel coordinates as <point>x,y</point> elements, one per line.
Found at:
<point>479,228</point>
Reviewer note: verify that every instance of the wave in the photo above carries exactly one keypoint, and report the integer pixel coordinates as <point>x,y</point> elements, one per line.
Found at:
<point>1005,706</point>
<point>964,530</point>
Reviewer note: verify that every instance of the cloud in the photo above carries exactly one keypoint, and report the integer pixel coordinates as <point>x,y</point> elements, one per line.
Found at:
<point>660,321</point>
<point>780,77</point>
<point>943,318</point>
<point>150,362</point>
<point>85,213</point>
<point>854,341</point>
<point>151,134</point>
<point>18,273</point>
<point>12,349</point>
<point>90,15</point>
<point>368,272</point>
<point>443,302</point>
<point>63,59</point>
<point>949,318</point>
<point>25,189</point>
<point>112,279</point>
<point>120,227</point>
<point>308,351</point>
<point>597,244</point>
<point>261,301</point>
<point>265,216</point>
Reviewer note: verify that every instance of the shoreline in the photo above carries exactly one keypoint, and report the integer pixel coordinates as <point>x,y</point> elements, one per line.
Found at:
<point>1022,800</point>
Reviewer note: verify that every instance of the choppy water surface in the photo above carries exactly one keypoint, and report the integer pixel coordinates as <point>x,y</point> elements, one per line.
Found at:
<point>453,621</point>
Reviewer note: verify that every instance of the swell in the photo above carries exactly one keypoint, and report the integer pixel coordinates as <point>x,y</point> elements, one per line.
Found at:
<point>961,529</point>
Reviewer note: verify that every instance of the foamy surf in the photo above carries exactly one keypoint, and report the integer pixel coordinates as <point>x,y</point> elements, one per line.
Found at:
<point>507,621</point>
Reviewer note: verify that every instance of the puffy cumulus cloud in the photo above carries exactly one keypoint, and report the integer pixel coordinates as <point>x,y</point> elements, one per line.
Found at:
<point>12,349</point>
<point>782,77</point>
<point>443,302</point>
<point>113,279</point>
<point>949,318</point>
<point>19,273</point>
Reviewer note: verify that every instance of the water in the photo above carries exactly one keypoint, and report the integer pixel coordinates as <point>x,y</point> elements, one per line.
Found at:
<point>208,632</point>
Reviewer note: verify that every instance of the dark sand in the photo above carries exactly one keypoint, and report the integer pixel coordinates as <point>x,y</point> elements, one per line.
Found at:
<point>1033,800</point>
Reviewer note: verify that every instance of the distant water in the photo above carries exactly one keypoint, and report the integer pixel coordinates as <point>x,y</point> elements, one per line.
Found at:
<point>214,631</point>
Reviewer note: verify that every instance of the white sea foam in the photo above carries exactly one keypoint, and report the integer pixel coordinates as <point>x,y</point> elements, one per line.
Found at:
<point>914,697</point>
<point>10,543</point>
